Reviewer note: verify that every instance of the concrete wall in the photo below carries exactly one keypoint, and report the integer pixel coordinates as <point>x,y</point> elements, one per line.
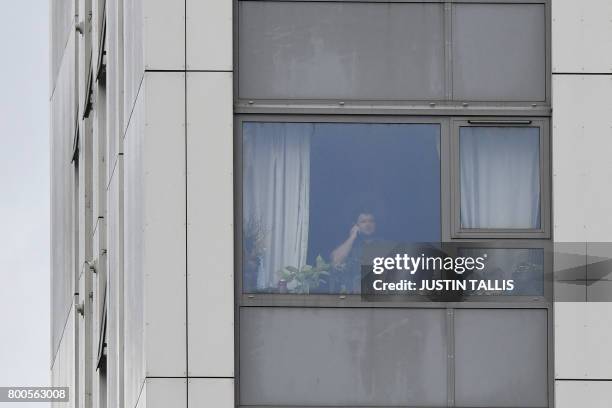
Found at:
<point>582,189</point>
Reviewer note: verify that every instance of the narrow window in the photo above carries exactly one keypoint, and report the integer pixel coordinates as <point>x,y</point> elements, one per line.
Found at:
<point>500,177</point>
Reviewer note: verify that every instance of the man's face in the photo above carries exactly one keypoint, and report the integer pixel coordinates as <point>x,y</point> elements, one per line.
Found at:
<point>366,224</point>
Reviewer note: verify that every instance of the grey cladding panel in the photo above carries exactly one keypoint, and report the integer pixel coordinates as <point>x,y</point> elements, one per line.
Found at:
<point>501,358</point>
<point>310,50</point>
<point>320,356</point>
<point>62,24</point>
<point>499,52</point>
<point>63,120</point>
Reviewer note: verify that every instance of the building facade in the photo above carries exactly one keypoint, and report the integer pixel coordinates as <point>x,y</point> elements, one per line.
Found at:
<point>217,165</point>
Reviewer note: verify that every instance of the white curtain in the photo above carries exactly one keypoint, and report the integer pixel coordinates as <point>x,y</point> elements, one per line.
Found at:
<point>276,159</point>
<point>500,177</point>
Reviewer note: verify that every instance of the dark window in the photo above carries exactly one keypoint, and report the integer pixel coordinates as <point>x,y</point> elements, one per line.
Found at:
<point>314,194</point>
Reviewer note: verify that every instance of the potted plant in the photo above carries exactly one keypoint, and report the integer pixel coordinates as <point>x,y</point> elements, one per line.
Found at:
<point>302,280</point>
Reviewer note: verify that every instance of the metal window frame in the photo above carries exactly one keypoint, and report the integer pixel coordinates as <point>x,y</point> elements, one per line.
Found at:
<point>544,231</point>
<point>449,208</point>
<point>448,106</point>
<point>326,300</point>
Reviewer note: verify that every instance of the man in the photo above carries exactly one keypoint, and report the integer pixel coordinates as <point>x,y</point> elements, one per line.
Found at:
<point>346,258</point>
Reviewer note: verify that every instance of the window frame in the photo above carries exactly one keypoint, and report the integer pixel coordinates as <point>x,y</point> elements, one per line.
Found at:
<point>327,300</point>
<point>543,232</point>
<point>448,209</point>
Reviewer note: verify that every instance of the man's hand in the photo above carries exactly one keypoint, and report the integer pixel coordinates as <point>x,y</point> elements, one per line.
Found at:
<point>354,232</point>
<point>338,256</point>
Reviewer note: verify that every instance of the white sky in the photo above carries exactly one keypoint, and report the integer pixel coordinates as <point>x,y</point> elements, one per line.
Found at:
<point>24,195</point>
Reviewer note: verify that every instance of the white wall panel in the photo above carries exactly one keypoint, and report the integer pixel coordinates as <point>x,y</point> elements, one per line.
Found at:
<point>591,394</point>
<point>583,334</point>
<point>210,224</point>
<point>133,62</point>
<point>62,26</point>
<point>163,235</point>
<point>211,392</point>
<point>164,34</point>
<point>582,36</point>
<point>114,176</point>
<point>582,189</point>
<point>134,256</point>
<point>63,120</point>
<point>597,119</point>
<point>209,35</point>
<point>84,341</point>
<point>115,284</point>
<point>113,88</point>
<point>115,218</point>
<point>142,397</point>
<point>166,392</point>
<point>582,165</point>
<point>154,159</point>
<point>162,393</point>
<point>570,160</point>
<point>62,370</point>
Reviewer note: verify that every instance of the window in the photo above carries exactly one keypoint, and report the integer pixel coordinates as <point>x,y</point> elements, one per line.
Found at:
<point>315,193</point>
<point>501,179</point>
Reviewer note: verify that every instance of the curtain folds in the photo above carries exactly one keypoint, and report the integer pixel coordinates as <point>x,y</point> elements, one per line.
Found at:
<point>500,177</point>
<point>276,197</point>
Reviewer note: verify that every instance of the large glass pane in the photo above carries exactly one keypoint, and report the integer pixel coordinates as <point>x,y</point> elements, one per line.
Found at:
<point>343,357</point>
<point>348,50</point>
<point>314,194</point>
<point>499,52</point>
<point>500,177</point>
